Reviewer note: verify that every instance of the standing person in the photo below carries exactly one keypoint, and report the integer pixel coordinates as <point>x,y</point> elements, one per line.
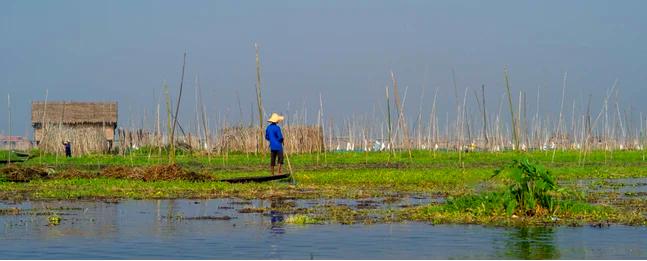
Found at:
<point>275,137</point>
<point>68,149</point>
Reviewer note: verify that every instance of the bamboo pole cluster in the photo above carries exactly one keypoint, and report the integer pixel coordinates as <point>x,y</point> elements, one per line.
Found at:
<point>473,127</point>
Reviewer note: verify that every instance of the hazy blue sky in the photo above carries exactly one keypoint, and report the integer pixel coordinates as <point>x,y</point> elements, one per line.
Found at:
<point>124,50</point>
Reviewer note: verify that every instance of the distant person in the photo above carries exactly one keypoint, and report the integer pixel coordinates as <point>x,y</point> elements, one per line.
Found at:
<point>68,149</point>
<point>275,137</point>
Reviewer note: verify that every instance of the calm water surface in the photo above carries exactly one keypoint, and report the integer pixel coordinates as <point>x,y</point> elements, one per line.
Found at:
<point>151,230</point>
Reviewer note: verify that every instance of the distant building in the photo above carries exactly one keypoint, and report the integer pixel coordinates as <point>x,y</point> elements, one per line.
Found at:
<point>89,126</point>
<point>14,143</point>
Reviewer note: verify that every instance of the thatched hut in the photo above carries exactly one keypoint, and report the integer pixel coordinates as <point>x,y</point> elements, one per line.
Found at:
<point>89,126</point>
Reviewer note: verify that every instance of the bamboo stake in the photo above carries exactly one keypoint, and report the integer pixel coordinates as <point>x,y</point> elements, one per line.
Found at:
<point>484,116</point>
<point>419,119</point>
<point>159,135</point>
<point>460,141</point>
<point>204,124</point>
<point>515,137</point>
<point>197,115</point>
<point>434,125</point>
<point>561,109</point>
<point>177,110</point>
<point>10,142</point>
<point>259,101</point>
<point>525,121</point>
<point>388,118</point>
<point>171,157</point>
<point>642,134</point>
<point>60,128</point>
<point>43,128</point>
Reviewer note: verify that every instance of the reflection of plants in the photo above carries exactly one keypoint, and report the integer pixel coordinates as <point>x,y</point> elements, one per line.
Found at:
<point>54,219</point>
<point>531,187</point>
<point>531,243</point>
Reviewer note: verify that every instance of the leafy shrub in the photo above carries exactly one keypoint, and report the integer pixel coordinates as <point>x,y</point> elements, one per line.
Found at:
<point>530,185</point>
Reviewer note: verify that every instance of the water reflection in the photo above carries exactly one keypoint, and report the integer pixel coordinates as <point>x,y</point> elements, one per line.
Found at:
<point>531,243</point>
<point>277,218</point>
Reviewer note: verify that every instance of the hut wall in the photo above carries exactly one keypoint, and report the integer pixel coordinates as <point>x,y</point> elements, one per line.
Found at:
<point>38,134</point>
<point>109,132</point>
<point>85,138</point>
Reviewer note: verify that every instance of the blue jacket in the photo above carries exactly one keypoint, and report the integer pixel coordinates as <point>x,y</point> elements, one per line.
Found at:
<point>274,136</point>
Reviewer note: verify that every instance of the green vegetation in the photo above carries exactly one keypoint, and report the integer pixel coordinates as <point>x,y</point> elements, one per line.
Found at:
<point>521,192</point>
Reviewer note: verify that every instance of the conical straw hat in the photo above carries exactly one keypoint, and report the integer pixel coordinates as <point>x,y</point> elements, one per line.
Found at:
<point>275,118</point>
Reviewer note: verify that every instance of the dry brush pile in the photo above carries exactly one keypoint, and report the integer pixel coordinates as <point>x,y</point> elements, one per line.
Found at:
<point>17,173</point>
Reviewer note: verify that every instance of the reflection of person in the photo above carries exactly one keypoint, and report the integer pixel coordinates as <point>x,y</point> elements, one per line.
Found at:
<point>68,149</point>
<point>275,137</point>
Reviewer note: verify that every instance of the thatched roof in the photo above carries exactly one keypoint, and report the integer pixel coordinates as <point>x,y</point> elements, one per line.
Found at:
<point>74,112</point>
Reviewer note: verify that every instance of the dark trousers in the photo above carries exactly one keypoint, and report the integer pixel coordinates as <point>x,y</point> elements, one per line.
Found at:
<point>274,154</point>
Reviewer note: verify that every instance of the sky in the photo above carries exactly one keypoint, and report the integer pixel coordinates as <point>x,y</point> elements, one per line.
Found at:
<point>343,51</point>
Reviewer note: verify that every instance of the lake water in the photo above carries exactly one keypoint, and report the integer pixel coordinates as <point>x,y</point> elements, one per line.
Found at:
<point>147,229</point>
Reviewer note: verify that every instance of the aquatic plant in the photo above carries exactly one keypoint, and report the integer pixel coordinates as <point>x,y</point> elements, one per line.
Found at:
<point>301,219</point>
<point>54,220</point>
<point>530,185</point>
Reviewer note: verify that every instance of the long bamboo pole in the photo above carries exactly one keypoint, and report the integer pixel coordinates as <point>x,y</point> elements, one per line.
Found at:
<point>177,110</point>
<point>168,124</point>
<point>388,120</point>
<point>259,101</point>
<point>484,115</point>
<point>559,121</point>
<point>43,128</point>
<point>515,137</point>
